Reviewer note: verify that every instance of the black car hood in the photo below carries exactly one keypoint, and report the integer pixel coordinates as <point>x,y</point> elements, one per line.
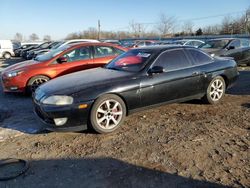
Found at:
<point>75,82</point>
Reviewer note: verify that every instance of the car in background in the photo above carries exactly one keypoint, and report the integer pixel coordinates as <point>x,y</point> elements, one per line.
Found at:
<point>73,41</point>
<point>229,47</point>
<point>58,44</point>
<point>6,49</point>
<point>142,43</point>
<point>25,51</point>
<point>28,75</point>
<point>39,51</point>
<point>188,42</point>
<point>101,98</point>
<point>117,42</point>
<point>22,47</point>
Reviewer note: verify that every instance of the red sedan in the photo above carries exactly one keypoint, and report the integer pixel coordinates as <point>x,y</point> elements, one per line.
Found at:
<point>28,75</point>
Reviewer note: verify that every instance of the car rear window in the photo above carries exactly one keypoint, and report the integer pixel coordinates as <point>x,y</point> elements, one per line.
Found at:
<point>199,57</point>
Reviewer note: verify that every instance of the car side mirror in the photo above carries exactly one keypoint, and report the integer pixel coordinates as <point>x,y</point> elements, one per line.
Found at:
<point>231,47</point>
<point>156,70</point>
<point>62,60</point>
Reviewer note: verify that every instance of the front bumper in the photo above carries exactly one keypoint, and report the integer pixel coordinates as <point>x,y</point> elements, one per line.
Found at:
<point>14,84</point>
<point>76,118</point>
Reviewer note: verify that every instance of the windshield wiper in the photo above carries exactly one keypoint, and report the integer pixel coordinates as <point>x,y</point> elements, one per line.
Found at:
<point>112,68</point>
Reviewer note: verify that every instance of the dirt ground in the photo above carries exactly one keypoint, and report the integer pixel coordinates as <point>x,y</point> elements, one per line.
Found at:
<point>179,145</point>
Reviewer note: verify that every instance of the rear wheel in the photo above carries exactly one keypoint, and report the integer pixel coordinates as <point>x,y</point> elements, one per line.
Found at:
<point>215,91</point>
<point>7,55</point>
<point>35,82</point>
<point>107,114</point>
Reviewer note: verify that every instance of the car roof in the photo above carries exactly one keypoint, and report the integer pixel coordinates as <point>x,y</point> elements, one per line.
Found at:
<point>93,43</point>
<point>222,39</point>
<point>163,47</point>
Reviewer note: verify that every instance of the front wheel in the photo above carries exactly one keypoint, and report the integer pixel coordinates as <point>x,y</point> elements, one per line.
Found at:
<point>7,56</point>
<point>35,82</point>
<point>107,114</point>
<point>215,91</point>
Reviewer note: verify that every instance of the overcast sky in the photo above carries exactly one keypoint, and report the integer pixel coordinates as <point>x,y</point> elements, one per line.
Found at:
<point>58,18</point>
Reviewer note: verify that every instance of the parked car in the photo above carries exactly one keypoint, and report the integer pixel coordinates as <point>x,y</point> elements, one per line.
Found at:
<point>117,42</point>
<point>189,42</point>
<point>137,79</point>
<point>29,53</point>
<point>42,50</point>
<point>73,41</point>
<point>6,49</point>
<point>229,47</point>
<point>24,46</point>
<point>25,51</point>
<point>142,43</point>
<point>28,75</point>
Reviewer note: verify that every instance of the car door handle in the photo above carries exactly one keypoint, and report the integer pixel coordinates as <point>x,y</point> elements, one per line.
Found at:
<point>195,73</point>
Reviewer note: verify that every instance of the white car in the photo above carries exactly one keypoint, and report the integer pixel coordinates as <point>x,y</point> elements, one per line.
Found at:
<point>189,42</point>
<point>6,49</point>
<point>63,43</point>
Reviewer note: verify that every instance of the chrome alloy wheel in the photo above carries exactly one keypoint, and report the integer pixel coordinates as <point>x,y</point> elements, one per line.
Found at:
<point>37,82</point>
<point>216,90</point>
<point>109,114</point>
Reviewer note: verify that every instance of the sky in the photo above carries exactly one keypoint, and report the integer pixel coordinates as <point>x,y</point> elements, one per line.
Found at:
<point>58,18</point>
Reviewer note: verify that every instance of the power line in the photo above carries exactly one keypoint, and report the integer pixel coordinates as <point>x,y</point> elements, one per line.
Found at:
<point>191,19</point>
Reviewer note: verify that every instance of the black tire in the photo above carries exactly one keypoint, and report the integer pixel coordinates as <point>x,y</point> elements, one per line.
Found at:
<point>6,55</point>
<point>33,83</point>
<point>95,114</point>
<point>211,98</point>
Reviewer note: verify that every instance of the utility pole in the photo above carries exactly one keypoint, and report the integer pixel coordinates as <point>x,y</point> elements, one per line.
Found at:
<point>99,29</point>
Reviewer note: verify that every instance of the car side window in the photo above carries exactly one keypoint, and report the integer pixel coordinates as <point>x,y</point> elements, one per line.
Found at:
<point>235,44</point>
<point>245,43</point>
<point>104,51</point>
<point>173,60</point>
<point>118,51</point>
<point>199,57</point>
<point>82,53</point>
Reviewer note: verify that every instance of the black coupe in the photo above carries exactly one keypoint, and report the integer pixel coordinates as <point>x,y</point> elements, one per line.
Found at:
<point>144,77</point>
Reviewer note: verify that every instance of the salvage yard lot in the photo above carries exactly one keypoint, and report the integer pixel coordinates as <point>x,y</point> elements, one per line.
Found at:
<point>178,145</point>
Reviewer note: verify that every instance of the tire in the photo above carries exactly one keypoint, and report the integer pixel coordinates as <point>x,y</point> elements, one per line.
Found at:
<point>103,118</point>
<point>35,82</point>
<point>215,91</point>
<point>6,55</point>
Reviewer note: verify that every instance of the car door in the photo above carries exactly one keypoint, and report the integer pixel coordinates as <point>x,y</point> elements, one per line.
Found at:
<point>76,60</point>
<point>233,47</point>
<point>180,79</point>
<point>202,62</point>
<point>103,55</point>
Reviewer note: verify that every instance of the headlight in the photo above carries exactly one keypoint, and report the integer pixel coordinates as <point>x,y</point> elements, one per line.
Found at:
<point>58,100</point>
<point>14,73</point>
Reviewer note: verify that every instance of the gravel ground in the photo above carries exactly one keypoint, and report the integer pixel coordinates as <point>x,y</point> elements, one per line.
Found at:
<point>178,145</point>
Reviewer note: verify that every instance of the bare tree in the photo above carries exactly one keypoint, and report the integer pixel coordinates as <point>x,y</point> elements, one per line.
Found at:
<point>187,27</point>
<point>33,37</point>
<point>47,38</point>
<point>212,29</point>
<point>137,29</point>
<point>18,37</point>
<point>166,24</point>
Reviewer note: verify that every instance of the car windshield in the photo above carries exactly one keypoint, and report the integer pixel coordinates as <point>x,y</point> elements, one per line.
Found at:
<point>51,54</point>
<point>57,45</point>
<point>215,44</point>
<point>131,61</point>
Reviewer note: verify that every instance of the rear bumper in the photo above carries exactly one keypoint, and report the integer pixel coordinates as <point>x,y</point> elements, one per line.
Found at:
<point>77,119</point>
